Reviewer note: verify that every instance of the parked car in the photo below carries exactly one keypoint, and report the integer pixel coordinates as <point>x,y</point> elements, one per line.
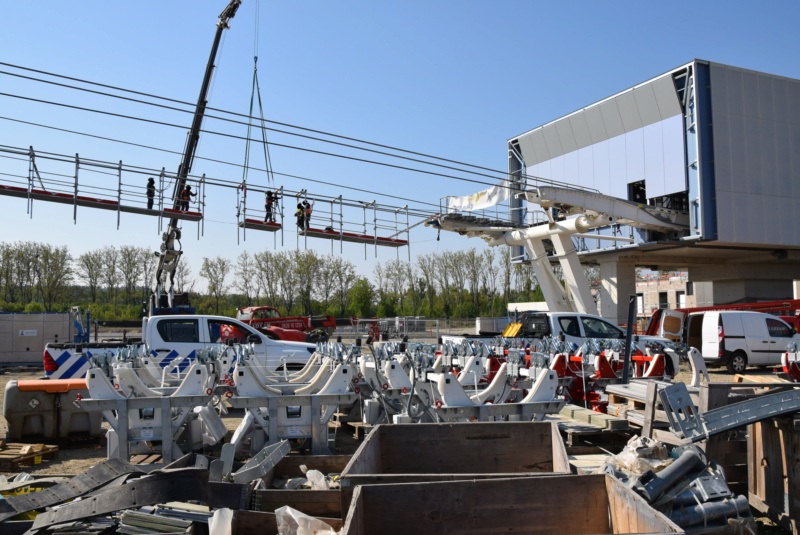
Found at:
<point>577,328</point>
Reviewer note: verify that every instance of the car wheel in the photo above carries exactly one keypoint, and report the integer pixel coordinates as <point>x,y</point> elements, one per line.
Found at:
<point>737,362</point>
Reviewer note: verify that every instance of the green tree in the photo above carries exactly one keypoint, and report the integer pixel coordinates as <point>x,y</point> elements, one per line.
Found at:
<point>110,274</point>
<point>130,271</point>
<point>266,269</point>
<point>361,298</point>
<point>90,268</point>
<point>215,271</point>
<point>344,275</point>
<point>54,274</point>
<point>246,274</point>
<point>307,265</point>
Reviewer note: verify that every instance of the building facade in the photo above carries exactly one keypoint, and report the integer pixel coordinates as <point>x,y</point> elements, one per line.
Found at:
<point>717,145</point>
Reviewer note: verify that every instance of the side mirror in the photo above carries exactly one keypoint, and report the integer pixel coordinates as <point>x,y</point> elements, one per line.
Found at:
<point>253,339</point>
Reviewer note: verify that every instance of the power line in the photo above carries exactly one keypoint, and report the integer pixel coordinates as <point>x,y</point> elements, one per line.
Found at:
<point>245,138</point>
<point>191,105</point>
<point>221,182</point>
<point>291,147</point>
<point>245,116</point>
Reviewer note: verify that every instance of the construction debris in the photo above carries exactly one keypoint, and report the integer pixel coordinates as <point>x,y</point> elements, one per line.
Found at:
<point>681,484</point>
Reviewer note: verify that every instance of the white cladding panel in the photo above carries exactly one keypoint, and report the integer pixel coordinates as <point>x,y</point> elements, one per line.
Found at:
<point>635,135</point>
<point>653,153</point>
<point>611,118</point>
<point>756,156</point>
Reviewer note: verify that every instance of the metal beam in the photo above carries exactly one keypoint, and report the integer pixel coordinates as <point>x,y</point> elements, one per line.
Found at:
<point>624,212</point>
<point>689,424</point>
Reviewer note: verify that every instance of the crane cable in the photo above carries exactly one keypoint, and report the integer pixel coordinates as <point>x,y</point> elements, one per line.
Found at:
<point>255,92</point>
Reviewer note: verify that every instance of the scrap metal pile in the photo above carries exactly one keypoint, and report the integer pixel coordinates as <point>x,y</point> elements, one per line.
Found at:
<point>682,484</point>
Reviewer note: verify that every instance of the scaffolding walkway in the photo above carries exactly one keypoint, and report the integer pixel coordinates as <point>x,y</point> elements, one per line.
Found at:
<point>83,182</point>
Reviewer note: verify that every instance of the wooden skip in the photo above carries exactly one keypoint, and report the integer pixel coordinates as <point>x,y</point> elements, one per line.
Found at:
<point>576,504</point>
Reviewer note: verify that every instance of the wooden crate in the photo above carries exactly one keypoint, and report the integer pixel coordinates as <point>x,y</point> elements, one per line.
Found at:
<point>577,505</point>
<point>320,503</point>
<point>773,449</point>
<point>403,453</point>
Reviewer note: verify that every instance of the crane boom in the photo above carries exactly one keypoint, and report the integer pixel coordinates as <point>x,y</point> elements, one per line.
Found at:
<point>162,298</point>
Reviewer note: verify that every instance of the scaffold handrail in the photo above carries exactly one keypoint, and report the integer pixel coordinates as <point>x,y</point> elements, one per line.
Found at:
<point>78,189</point>
<point>87,182</point>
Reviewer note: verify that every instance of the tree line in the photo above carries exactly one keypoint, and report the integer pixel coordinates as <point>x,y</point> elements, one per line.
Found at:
<point>113,282</point>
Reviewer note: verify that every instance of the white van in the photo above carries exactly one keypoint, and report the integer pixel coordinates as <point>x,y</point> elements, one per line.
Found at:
<point>737,339</point>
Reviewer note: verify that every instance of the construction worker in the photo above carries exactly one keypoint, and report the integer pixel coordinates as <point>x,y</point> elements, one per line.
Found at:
<point>270,203</point>
<point>300,214</point>
<point>185,197</point>
<point>308,208</point>
<point>151,192</point>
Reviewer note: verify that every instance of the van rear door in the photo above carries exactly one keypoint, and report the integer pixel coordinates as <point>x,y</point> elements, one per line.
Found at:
<point>711,349</point>
<point>671,325</point>
<point>693,330</point>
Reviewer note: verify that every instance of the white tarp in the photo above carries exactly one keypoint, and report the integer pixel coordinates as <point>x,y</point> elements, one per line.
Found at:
<point>481,200</point>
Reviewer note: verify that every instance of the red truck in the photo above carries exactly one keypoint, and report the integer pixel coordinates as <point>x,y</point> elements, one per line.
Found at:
<point>268,320</point>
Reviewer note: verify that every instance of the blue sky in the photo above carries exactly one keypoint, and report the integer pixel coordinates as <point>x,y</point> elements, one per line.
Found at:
<point>453,79</point>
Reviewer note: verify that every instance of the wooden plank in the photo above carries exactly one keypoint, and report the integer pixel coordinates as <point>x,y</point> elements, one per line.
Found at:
<point>774,472</point>
<point>366,459</point>
<point>771,380</point>
<point>16,455</point>
<point>257,224</point>
<point>631,514</point>
<point>311,502</point>
<point>559,454</point>
<point>498,447</point>
<point>289,466</point>
<point>352,237</point>
<point>454,451</point>
<point>651,398</point>
<point>587,463</point>
<point>558,504</point>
